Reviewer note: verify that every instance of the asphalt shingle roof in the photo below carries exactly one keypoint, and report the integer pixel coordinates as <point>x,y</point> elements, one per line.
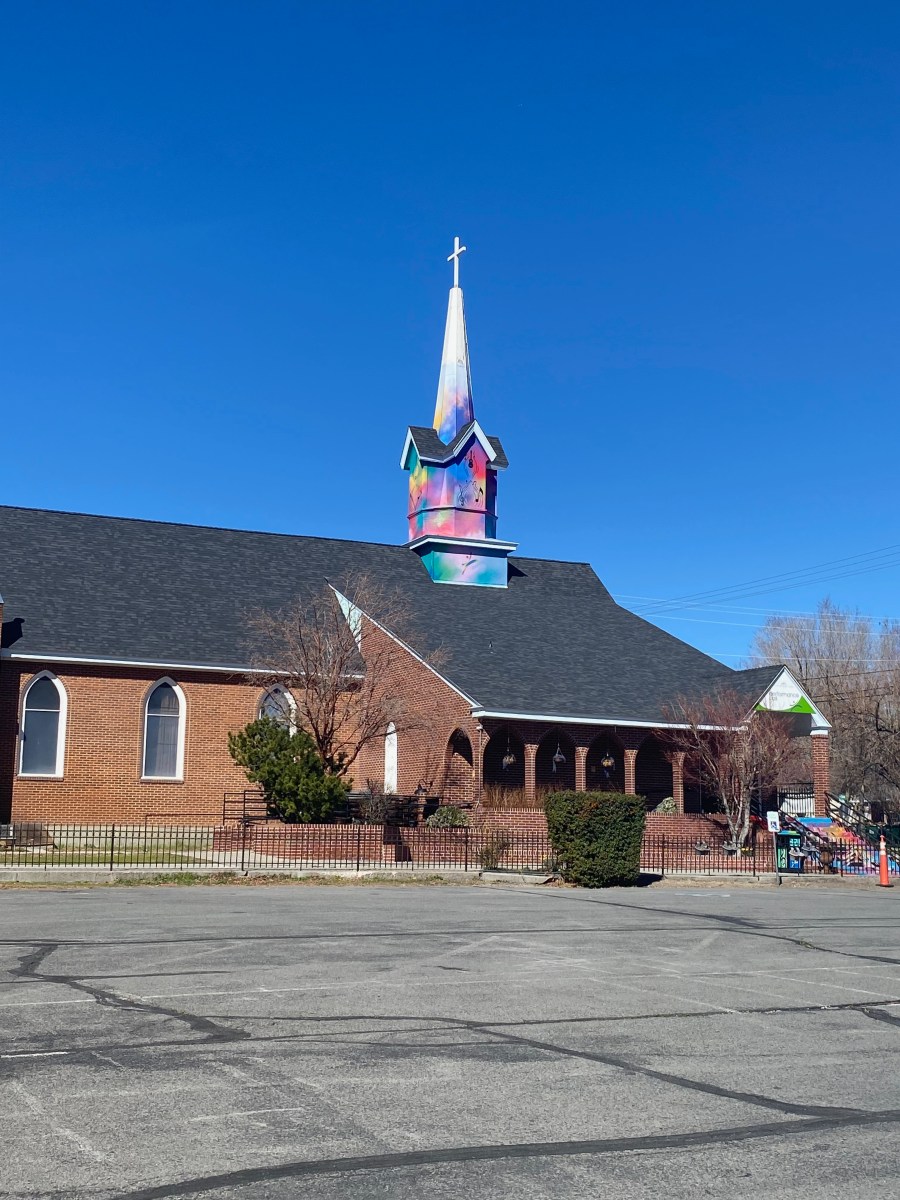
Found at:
<point>553,643</point>
<point>432,449</point>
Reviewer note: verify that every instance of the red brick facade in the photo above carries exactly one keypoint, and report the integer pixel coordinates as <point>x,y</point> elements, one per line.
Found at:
<point>101,780</point>
<point>104,738</point>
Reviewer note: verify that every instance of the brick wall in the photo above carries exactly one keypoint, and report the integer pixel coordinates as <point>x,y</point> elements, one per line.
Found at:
<point>429,712</point>
<point>104,746</point>
<point>676,825</point>
<point>104,743</point>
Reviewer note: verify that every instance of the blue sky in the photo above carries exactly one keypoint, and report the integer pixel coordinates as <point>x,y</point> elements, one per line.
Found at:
<point>224,279</point>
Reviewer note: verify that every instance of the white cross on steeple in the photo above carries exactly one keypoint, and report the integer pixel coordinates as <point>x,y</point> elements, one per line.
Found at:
<point>454,258</point>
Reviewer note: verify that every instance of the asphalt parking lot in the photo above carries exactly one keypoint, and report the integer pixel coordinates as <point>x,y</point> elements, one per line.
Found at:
<point>443,1042</point>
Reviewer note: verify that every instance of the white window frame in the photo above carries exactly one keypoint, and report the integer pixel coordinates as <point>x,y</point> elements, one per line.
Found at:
<point>60,728</point>
<point>178,777</point>
<point>390,760</point>
<point>291,703</point>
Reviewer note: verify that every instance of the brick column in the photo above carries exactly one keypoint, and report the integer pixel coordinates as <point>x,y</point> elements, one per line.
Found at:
<point>478,741</point>
<point>630,757</point>
<point>678,779</point>
<point>530,756</point>
<point>581,768</point>
<point>820,765</point>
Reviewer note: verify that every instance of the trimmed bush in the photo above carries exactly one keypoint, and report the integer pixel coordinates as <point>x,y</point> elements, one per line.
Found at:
<point>447,816</point>
<point>596,836</point>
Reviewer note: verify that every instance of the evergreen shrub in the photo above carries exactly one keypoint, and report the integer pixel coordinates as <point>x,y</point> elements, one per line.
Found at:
<point>289,770</point>
<point>596,836</point>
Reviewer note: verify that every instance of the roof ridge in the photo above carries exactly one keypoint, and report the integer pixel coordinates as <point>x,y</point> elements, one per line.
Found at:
<point>317,537</point>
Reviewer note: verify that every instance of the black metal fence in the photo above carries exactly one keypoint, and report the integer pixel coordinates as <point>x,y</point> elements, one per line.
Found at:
<point>664,855</point>
<point>271,846</point>
<point>366,807</point>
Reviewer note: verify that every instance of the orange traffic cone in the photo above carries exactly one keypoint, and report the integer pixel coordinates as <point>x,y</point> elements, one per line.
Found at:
<point>883,880</point>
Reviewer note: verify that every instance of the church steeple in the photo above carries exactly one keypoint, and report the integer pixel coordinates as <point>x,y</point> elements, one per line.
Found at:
<point>453,471</point>
<point>453,409</point>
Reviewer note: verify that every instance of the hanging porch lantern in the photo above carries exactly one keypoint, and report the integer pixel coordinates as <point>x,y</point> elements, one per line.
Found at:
<point>509,759</point>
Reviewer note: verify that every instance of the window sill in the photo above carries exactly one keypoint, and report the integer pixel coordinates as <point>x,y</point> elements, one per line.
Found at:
<point>161,779</point>
<point>28,775</point>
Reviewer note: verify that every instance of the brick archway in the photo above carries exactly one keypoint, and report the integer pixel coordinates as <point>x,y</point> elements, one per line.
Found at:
<point>458,769</point>
<point>554,764</point>
<point>600,778</point>
<point>504,743</point>
<point>653,771</point>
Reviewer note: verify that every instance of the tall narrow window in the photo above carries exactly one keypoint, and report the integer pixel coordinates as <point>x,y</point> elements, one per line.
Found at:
<point>43,727</point>
<point>278,705</point>
<point>390,759</point>
<point>163,733</point>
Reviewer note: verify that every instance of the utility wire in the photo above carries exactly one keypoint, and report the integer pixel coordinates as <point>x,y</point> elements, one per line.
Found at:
<point>857,564</point>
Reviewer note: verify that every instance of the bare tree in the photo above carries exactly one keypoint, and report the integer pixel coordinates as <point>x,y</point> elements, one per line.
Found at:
<point>341,653</point>
<point>850,665</point>
<point>739,754</point>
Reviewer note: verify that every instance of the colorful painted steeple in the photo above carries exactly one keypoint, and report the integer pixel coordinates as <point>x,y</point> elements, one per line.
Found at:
<point>453,471</point>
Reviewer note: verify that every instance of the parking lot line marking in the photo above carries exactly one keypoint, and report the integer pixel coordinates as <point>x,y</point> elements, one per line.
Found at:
<point>34,1105</point>
<point>250,1112</point>
<point>837,986</point>
<point>38,1054</point>
<point>48,1003</point>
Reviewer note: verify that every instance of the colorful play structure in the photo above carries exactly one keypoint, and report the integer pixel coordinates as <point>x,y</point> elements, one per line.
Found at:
<point>828,845</point>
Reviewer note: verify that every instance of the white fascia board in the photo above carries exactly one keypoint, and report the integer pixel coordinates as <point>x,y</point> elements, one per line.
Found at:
<point>440,539</point>
<point>409,650</point>
<point>84,661</point>
<point>407,446</point>
<point>556,719</point>
<point>485,444</point>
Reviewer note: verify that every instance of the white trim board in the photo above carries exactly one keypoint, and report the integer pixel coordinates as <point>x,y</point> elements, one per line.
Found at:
<point>155,664</point>
<point>405,645</point>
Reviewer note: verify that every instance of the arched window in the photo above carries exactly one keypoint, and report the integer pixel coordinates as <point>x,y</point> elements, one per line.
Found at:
<point>279,705</point>
<point>164,732</point>
<point>390,759</point>
<point>43,735</point>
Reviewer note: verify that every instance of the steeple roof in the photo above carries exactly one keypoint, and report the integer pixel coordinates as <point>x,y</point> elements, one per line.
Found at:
<point>453,409</point>
<point>431,449</point>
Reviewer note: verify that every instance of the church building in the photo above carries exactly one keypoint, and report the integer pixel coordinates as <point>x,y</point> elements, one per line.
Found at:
<point>124,661</point>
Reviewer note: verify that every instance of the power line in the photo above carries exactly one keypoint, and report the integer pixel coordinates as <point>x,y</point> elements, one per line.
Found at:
<point>785,580</point>
<point>746,610</point>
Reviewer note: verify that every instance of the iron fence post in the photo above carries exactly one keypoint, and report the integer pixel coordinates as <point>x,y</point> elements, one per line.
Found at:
<point>244,828</point>
<point>112,846</point>
<point>466,832</point>
<point>358,846</point>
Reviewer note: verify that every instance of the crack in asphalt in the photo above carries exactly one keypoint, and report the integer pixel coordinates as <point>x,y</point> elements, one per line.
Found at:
<point>27,969</point>
<point>78,1053</point>
<point>877,1013</point>
<point>495,1153</point>
<point>741,925</point>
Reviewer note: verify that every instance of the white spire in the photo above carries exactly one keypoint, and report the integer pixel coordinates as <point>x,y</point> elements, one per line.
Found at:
<point>453,409</point>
